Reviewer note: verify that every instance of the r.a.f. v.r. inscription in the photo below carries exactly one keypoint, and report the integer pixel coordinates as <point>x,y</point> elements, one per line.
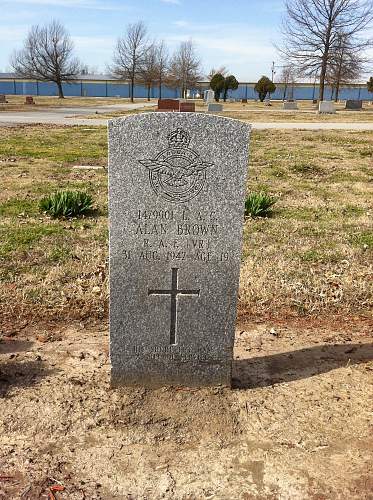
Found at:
<point>177,173</point>
<point>174,292</point>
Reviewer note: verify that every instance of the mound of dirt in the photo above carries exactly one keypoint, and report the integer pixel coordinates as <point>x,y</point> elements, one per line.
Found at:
<point>297,424</point>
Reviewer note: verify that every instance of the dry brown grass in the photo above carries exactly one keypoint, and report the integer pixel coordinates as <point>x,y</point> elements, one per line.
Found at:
<point>17,102</point>
<point>313,257</point>
<point>258,112</point>
<point>307,112</point>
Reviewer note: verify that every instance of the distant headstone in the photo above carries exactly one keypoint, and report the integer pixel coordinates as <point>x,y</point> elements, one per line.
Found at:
<point>214,107</point>
<point>209,96</point>
<point>355,105</point>
<point>29,100</point>
<point>187,107</point>
<point>244,101</point>
<point>3,99</point>
<point>290,105</point>
<point>327,107</point>
<point>314,101</point>
<point>177,185</point>
<point>168,105</point>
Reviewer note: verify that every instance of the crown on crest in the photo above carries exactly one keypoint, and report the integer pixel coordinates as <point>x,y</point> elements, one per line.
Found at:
<point>179,138</point>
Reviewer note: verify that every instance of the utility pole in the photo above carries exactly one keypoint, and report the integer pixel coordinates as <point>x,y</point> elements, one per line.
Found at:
<point>273,74</point>
<point>273,70</point>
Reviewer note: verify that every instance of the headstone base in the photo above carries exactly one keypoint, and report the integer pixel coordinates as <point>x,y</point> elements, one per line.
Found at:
<point>184,374</point>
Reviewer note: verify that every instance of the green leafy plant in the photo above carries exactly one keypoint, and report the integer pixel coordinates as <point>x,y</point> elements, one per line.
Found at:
<point>222,84</point>
<point>264,86</point>
<point>66,203</point>
<point>230,83</point>
<point>217,85</point>
<point>259,204</point>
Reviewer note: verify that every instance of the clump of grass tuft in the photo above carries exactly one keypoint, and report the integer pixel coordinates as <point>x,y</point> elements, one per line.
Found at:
<point>66,204</point>
<point>259,204</point>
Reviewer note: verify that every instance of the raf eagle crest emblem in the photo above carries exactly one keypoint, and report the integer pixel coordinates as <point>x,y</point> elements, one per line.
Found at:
<point>177,173</point>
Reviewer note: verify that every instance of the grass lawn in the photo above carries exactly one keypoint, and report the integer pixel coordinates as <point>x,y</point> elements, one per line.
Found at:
<point>313,257</point>
<point>17,102</point>
<point>259,112</point>
<point>251,112</point>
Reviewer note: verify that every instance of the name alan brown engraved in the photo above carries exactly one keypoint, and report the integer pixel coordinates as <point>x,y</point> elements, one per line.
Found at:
<point>177,173</point>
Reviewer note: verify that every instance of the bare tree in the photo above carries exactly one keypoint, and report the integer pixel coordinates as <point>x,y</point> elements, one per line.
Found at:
<point>47,55</point>
<point>129,54</point>
<point>223,70</point>
<point>311,29</point>
<point>184,70</point>
<point>287,77</point>
<point>346,65</point>
<point>149,68</point>
<point>162,58</point>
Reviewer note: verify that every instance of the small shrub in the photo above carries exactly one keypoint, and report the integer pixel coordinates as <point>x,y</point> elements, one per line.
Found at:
<point>66,204</point>
<point>259,204</point>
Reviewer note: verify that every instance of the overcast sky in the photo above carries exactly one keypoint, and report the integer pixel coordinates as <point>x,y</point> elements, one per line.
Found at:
<point>237,34</point>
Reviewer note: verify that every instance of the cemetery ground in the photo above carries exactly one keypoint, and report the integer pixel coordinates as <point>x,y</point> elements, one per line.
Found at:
<point>252,112</point>
<point>297,423</point>
<point>258,112</point>
<point>17,102</point>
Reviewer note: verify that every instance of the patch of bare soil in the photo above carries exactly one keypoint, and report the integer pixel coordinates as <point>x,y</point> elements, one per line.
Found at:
<point>297,424</point>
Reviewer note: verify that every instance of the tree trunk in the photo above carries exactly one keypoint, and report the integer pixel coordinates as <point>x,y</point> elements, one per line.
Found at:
<point>149,89</point>
<point>132,87</point>
<point>285,90</point>
<point>60,91</point>
<point>322,79</point>
<point>160,88</point>
<point>324,64</point>
<point>337,91</point>
<point>339,76</point>
<point>225,95</point>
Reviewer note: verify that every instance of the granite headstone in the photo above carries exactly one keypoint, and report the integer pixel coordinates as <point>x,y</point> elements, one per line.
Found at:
<point>327,107</point>
<point>187,107</point>
<point>354,104</point>
<point>209,96</point>
<point>168,105</point>
<point>177,185</point>
<point>290,105</point>
<point>215,107</point>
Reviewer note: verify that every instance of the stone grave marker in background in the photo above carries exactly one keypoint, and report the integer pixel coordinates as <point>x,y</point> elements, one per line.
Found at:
<point>29,100</point>
<point>187,107</point>
<point>209,96</point>
<point>168,105</point>
<point>215,107</point>
<point>327,107</point>
<point>290,105</point>
<point>355,105</point>
<point>2,99</point>
<point>177,184</point>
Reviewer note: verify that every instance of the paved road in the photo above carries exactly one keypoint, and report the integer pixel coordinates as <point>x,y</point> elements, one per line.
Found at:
<point>67,116</point>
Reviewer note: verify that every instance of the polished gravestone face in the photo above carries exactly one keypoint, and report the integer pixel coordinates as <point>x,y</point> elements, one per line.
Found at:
<point>177,184</point>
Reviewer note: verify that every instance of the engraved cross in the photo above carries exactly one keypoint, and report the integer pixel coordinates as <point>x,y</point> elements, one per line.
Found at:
<point>174,292</point>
